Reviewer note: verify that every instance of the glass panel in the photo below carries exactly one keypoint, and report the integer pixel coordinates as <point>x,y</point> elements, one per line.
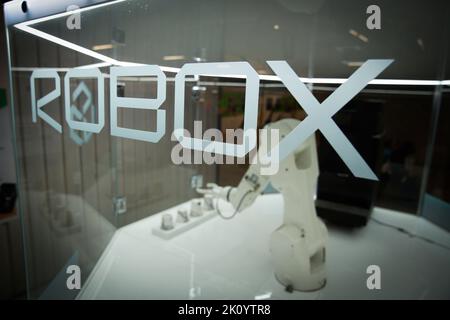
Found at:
<point>65,179</point>
<point>436,205</point>
<point>77,186</point>
<point>436,189</point>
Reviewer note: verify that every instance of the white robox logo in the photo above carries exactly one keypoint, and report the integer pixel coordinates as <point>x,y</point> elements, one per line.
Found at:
<point>319,114</point>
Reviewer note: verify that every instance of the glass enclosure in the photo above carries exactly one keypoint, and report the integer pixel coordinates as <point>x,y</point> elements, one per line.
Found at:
<point>78,187</point>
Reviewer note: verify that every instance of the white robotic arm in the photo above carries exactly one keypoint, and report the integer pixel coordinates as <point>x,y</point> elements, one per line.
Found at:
<point>242,196</point>
<point>298,246</point>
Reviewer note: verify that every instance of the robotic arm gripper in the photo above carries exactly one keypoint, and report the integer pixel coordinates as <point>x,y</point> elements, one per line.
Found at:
<point>298,246</point>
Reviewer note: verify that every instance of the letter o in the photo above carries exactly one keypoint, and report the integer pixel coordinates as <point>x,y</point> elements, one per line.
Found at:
<point>251,106</point>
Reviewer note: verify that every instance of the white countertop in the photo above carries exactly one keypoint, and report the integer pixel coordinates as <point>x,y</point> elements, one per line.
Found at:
<point>229,259</point>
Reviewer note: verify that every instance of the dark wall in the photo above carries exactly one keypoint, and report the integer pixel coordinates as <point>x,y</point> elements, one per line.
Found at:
<point>12,266</point>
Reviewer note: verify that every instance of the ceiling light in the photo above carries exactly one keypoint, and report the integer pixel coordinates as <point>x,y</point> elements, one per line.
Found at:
<point>173,58</point>
<point>363,38</point>
<point>358,35</point>
<point>100,47</point>
<point>353,63</point>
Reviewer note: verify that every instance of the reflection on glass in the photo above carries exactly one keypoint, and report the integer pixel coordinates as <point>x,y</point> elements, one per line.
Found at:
<point>77,189</point>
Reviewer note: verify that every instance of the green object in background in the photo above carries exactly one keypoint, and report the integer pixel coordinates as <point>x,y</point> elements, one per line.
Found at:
<point>2,98</point>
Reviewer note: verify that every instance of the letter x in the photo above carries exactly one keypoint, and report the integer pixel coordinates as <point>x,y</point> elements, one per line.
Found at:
<point>319,115</point>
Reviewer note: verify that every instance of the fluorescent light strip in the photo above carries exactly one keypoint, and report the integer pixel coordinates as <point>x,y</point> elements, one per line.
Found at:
<point>174,58</point>
<point>25,26</point>
<point>320,88</point>
<point>405,82</point>
<point>94,65</point>
<point>31,69</point>
<point>100,47</point>
<point>400,82</point>
<point>163,68</point>
<point>88,66</point>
